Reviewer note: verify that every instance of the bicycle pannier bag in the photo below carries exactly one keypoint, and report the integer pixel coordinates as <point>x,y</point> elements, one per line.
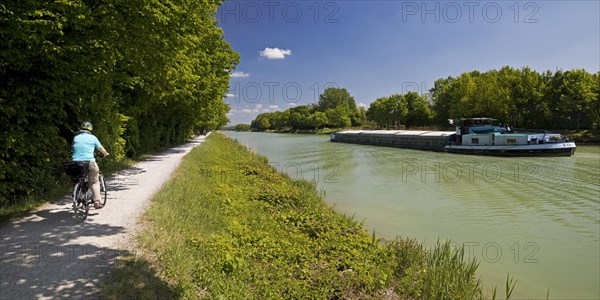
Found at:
<point>76,168</point>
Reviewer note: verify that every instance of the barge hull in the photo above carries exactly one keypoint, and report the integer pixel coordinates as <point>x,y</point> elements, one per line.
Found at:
<point>517,153</point>
<point>556,149</point>
<point>394,145</point>
<point>408,139</point>
<point>439,141</point>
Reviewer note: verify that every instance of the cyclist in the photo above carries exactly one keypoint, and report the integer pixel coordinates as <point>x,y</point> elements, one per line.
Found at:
<point>84,144</point>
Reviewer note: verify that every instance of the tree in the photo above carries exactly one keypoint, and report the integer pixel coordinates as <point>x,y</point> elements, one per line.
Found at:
<point>460,93</point>
<point>242,127</point>
<point>177,65</point>
<point>377,114</point>
<point>594,108</point>
<point>490,97</point>
<point>262,122</point>
<point>418,112</point>
<point>362,114</point>
<point>387,111</point>
<point>281,120</point>
<point>333,98</point>
<point>341,112</point>
<point>298,117</point>
<point>338,117</point>
<point>441,100</point>
<point>578,94</point>
<point>317,120</point>
<point>527,109</point>
<point>146,74</point>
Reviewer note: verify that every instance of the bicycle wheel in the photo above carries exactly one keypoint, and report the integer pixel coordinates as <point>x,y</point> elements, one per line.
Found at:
<point>103,192</point>
<point>80,202</point>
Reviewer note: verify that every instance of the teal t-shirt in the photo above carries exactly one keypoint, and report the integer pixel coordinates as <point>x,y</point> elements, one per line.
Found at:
<point>84,144</point>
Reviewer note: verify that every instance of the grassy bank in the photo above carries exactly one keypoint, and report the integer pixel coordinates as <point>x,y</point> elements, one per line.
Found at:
<point>228,226</point>
<point>584,136</point>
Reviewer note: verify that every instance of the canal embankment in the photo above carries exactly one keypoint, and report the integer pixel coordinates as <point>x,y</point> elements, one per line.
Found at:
<point>517,215</point>
<point>228,225</point>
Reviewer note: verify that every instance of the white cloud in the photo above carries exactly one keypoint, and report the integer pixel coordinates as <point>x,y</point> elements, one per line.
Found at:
<point>258,108</point>
<point>274,107</point>
<point>275,53</point>
<point>362,105</point>
<point>230,95</point>
<point>292,104</point>
<point>239,74</point>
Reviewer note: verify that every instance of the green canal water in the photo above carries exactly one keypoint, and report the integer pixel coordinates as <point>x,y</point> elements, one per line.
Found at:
<point>535,218</point>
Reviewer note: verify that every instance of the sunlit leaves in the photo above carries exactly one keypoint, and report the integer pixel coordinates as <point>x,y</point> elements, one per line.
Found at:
<point>146,73</point>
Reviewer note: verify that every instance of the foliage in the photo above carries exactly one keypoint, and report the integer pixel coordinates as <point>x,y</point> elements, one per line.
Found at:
<point>521,97</point>
<point>228,226</point>
<point>418,110</point>
<point>343,105</point>
<point>409,110</point>
<point>144,73</point>
<point>388,111</point>
<point>242,127</point>
<point>336,108</point>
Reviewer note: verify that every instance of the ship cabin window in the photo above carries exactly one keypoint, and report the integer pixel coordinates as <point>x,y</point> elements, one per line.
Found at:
<point>474,140</point>
<point>511,141</point>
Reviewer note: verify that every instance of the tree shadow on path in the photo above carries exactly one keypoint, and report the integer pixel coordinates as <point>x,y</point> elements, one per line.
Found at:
<point>49,254</point>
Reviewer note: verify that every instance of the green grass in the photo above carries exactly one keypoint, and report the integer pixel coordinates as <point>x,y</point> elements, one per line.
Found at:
<point>228,226</point>
<point>9,211</point>
<point>583,136</point>
<point>137,280</point>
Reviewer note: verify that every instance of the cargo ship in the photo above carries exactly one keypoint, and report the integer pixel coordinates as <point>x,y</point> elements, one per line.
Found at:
<point>477,136</point>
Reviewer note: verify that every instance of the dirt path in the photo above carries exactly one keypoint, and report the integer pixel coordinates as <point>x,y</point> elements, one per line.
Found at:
<point>49,255</point>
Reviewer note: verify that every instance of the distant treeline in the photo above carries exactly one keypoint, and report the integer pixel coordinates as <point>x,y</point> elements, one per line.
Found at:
<point>519,97</point>
<point>146,73</point>
<point>336,108</point>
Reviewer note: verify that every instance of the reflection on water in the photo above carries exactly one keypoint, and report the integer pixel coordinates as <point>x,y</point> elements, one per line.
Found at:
<point>537,218</point>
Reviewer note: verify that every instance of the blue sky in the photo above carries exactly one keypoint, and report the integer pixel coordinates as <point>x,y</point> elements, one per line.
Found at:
<point>291,50</point>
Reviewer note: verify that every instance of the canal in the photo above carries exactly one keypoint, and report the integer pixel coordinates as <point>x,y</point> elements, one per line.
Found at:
<point>535,218</point>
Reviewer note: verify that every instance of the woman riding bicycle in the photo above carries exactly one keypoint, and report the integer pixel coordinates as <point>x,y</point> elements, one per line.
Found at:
<point>84,144</point>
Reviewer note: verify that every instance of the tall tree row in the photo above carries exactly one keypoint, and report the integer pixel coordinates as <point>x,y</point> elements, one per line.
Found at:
<point>521,97</point>
<point>146,73</point>
<point>397,110</point>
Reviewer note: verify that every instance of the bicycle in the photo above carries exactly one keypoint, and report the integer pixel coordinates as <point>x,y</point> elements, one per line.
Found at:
<point>82,193</point>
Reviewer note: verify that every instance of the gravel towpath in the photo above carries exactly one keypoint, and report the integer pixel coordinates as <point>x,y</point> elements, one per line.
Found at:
<point>47,254</point>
